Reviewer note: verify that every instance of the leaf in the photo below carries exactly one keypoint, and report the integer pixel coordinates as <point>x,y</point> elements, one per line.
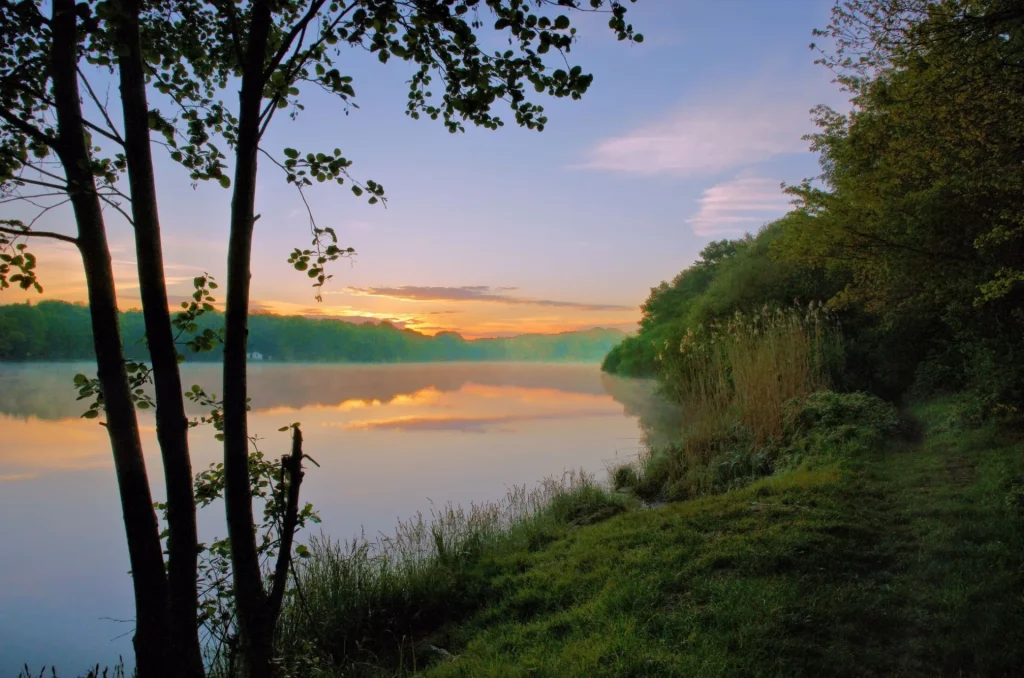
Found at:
<point>224,181</point>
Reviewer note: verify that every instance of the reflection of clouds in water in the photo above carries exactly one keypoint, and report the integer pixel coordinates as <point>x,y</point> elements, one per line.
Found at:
<point>424,396</point>
<point>16,477</point>
<point>44,390</point>
<point>32,446</point>
<point>468,424</point>
<point>47,434</point>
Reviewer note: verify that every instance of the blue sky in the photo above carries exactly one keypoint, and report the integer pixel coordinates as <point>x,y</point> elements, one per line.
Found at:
<point>681,139</point>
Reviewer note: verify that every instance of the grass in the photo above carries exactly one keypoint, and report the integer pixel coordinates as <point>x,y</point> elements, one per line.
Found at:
<point>902,561</point>
<point>734,381</point>
<point>368,607</point>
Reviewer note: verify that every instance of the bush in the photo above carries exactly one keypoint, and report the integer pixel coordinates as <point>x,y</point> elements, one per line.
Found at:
<point>827,422</point>
<point>624,477</point>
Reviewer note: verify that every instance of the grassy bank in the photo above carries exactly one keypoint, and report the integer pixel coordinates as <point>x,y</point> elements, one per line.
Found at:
<point>901,559</point>
<point>904,561</point>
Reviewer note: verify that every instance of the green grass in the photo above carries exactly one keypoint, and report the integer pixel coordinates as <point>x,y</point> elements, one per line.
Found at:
<point>369,607</point>
<point>903,561</point>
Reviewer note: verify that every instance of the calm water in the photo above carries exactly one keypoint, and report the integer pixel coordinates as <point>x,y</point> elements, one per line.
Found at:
<point>389,438</point>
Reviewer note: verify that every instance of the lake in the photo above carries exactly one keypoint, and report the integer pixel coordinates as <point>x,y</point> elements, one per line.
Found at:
<point>390,440</point>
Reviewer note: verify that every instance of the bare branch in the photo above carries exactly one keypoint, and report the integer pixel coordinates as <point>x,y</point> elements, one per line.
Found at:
<point>44,184</point>
<point>39,234</point>
<point>113,135</point>
<point>117,207</point>
<point>46,209</point>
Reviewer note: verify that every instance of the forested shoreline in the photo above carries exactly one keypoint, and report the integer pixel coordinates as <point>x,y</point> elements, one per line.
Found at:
<point>912,236</point>
<point>60,331</point>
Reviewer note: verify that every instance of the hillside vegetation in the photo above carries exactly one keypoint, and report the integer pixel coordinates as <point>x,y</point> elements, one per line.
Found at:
<point>57,330</point>
<point>912,235</point>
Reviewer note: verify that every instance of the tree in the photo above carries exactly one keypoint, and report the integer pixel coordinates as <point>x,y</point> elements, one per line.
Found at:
<point>192,51</point>
<point>274,49</point>
<point>923,183</point>
<point>40,69</point>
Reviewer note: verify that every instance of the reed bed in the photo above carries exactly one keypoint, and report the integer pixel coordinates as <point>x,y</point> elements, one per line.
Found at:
<point>733,379</point>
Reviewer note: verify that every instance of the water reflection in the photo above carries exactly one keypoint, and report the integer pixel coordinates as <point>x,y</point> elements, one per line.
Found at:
<point>44,390</point>
<point>389,439</point>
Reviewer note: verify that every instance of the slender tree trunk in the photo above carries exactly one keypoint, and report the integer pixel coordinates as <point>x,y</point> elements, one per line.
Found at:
<point>255,624</point>
<point>140,521</point>
<point>171,421</point>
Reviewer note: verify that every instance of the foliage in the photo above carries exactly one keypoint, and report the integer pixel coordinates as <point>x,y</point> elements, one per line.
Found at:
<point>828,423</point>
<point>17,264</point>
<point>730,275</point>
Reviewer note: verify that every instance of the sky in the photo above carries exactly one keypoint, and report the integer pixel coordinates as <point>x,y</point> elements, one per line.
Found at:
<point>680,140</point>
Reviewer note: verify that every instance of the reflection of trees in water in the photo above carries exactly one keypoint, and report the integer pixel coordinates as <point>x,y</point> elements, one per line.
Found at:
<point>44,390</point>
<point>660,420</point>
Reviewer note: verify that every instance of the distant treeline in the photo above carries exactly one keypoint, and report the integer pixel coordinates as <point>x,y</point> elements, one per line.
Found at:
<point>58,330</point>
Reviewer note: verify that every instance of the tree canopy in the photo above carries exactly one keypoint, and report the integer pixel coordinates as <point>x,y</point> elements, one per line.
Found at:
<point>914,230</point>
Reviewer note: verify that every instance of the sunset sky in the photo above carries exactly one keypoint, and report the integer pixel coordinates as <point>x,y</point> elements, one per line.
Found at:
<point>682,139</point>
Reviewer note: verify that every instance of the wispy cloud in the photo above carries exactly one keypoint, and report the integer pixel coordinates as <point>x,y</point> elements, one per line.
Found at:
<point>478,293</point>
<point>710,136</point>
<point>332,312</point>
<point>743,204</point>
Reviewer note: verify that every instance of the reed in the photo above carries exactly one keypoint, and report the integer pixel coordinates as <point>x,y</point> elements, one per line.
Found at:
<point>733,379</point>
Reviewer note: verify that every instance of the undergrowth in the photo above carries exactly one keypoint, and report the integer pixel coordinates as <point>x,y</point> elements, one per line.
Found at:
<point>738,383</point>
<point>370,605</point>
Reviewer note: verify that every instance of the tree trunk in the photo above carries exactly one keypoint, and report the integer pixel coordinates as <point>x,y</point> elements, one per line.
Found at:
<point>140,521</point>
<point>171,421</point>
<point>255,624</point>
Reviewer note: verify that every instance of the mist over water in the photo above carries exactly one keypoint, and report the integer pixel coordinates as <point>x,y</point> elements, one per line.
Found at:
<point>390,440</point>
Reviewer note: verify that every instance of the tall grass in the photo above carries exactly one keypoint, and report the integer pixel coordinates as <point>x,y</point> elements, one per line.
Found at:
<point>370,606</point>
<point>733,379</point>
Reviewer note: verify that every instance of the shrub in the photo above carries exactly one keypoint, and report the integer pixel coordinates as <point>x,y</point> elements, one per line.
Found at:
<point>624,477</point>
<point>827,422</point>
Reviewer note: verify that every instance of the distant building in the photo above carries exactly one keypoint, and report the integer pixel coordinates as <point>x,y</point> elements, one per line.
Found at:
<point>255,355</point>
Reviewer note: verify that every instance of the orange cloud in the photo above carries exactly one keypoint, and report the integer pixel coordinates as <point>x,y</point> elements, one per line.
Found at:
<point>478,293</point>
